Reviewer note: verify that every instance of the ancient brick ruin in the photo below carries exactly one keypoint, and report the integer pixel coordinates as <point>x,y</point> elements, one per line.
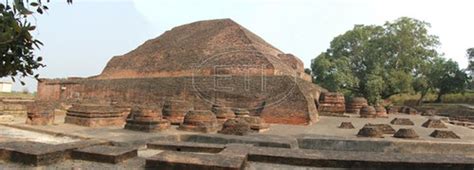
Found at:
<point>445,134</point>
<point>406,133</point>
<point>434,123</point>
<point>174,110</point>
<point>257,76</point>
<point>235,127</point>
<point>40,114</point>
<point>200,121</point>
<point>385,128</point>
<point>346,125</point>
<point>370,131</point>
<point>222,113</point>
<point>257,124</point>
<point>368,112</point>
<point>380,111</point>
<point>355,104</point>
<point>146,120</point>
<point>402,121</point>
<point>94,115</point>
<point>332,103</point>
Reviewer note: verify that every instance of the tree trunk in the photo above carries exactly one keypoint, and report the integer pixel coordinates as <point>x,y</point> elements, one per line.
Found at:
<point>423,94</point>
<point>438,99</point>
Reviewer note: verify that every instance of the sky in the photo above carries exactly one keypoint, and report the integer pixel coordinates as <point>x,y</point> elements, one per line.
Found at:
<point>79,39</point>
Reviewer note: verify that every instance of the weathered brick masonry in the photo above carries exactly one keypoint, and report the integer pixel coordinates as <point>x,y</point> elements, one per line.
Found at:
<point>200,63</point>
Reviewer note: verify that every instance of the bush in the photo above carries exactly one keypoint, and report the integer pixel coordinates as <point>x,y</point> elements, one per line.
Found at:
<point>411,99</point>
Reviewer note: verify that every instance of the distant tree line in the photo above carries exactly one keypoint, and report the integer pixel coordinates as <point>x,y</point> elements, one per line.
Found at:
<point>378,61</point>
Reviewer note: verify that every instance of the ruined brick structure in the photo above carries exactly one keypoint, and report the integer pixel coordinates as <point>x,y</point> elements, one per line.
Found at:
<point>39,113</point>
<point>199,121</point>
<point>356,104</point>
<point>146,120</point>
<point>199,63</point>
<point>332,103</point>
<point>94,115</point>
<point>368,112</point>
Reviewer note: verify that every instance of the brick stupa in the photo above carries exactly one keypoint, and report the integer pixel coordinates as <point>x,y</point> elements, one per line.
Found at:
<point>202,62</point>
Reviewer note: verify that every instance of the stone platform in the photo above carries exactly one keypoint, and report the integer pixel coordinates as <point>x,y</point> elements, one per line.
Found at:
<point>195,161</point>
<point>106,154</point>
<point>94,115</point>
<point>315,146</point>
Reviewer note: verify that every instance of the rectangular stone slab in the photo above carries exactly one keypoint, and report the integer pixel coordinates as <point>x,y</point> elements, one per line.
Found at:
<point>32,153</point>
<point>351,159</point>
<point>195,161</point>
<point>186,146</point>
<point>105,154</point>
<point>95,122</point>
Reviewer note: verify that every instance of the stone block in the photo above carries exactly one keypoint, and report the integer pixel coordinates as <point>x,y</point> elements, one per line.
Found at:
<point>332,103</point>
<point>175,110</point>
<point>105,154</point>
<point>94,115</point>
<point>368,112</point>
<point>186,146</point>
<point>195,161</point>
<point>355,104</point>
<point>402,121</point>
<point>146,120</point>
<point>199,121</point>
<point>32,153</point>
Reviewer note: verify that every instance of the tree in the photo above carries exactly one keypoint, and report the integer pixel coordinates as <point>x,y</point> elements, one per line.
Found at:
<point>441,76</point>
<point>446,77</point>
<point>376,61</point>
<point>470,56</point>
<point>17,45</point>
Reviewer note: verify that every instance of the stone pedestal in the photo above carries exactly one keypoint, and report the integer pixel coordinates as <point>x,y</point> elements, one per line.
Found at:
<point>402,121</point>
<point>368,112</point>
<point>235,127</point>
<point>385,128</point>
<point>94,115</point>
<point>40,113</point>
<point>406,134</point>
<point>380,111</point>
<point>125,108</point>
<point>222,113</point>
<point>371,132</point>
<point>346,125</point>
<point>256,123</point>
<point>146,120</point>
<point>356,104</point>
<point>175,110</point>
<point>446,134</point>
<point>199,121</point>
<point>434,123</point>
<point>332,103</point>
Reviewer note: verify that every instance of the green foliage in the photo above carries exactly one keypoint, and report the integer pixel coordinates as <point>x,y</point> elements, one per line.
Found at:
<point>470,56</point>
<point>17,45</point>
<point>376,61</point>
<point>411,98</point>
<point>446,77</point>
